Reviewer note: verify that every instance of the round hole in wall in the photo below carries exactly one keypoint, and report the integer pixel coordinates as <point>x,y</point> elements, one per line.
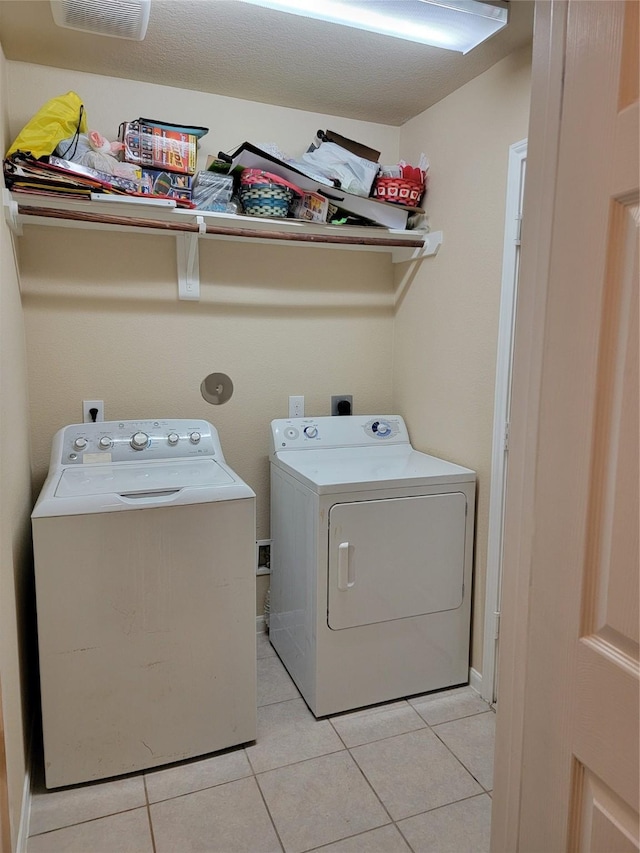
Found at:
<point>216,388</point>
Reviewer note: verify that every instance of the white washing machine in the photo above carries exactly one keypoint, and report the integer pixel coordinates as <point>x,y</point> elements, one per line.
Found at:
<point>144,544</point>
<point>371,562</point>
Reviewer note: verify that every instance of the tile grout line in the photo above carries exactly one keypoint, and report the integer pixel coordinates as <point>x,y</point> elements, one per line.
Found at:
<point>336,752</point>
<point>266,805</point>
<point>88,820</point>
<point>146,796</point>
<point>393,820</point>
<point>459,760</point>
<point>198,790</point>
<point>483,792</point>
<point>453,719</point>
<point>362,773</point>
<point>443,806</point>
<point>282,702</point>
<point>418,814</point>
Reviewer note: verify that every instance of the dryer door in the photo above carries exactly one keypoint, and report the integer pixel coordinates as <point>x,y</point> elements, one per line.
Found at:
<point>394,558</point>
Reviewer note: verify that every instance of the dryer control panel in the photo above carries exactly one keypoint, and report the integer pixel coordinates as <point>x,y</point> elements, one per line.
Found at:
<point>134,441</point>
<point>324,433</point>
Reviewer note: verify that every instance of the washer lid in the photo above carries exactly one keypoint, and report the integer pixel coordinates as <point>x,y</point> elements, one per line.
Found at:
<point>132,479</point>
<point>358,468</point>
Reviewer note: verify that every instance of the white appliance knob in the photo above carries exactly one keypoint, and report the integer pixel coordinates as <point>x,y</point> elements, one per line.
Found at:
<point>173,438</point>
<point>383,429</point>
<point>105,442</point>
<point>194,438</point>
<point>139,440</point>
<point>311,431</point>
<point>80,443</point>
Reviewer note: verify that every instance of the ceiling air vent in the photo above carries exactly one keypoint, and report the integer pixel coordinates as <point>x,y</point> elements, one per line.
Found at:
<point>125,19</point>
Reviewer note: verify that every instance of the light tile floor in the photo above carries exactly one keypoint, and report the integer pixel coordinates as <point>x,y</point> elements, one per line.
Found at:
<point>413,775</point>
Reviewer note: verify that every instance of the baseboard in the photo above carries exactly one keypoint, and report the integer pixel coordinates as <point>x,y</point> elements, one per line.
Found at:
<point>25,811</point>
<point>475,680</point>
<point>23,831</point>
<point>261,625</point>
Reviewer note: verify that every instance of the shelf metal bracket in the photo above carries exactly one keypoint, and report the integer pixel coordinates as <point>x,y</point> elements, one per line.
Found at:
<point>188,261</point>
<point>11,213</point>
<point>432,242</point>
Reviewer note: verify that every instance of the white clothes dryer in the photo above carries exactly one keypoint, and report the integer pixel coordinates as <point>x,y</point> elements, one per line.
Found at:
<point>371,562</point>
<point>144,542</point>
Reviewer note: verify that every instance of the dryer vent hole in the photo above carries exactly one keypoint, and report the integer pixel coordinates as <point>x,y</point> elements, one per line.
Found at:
<point>216,388</point>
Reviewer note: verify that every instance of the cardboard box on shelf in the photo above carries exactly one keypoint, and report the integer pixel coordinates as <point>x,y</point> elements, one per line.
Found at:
<point>155,146</point>
<point>389,215</point>
<point>312,207</point>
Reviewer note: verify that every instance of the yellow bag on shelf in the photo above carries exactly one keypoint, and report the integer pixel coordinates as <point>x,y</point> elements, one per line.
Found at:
<point>60,118</point>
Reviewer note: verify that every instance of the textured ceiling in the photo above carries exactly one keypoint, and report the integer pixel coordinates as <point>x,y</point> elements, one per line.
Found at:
<point>232,48</point>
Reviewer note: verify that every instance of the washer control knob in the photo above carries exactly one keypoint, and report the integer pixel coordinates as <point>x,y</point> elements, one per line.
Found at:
<point>195,437</point>
<point>173,438</point>
<point>80,443</point>
<point>311,431</point>
<point>383,428</point>
<point>139,440</point>
<point>105,443</point>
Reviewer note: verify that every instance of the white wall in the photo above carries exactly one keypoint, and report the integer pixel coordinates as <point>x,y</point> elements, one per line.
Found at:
<point>103,320</point>
<point>16,608</point>
<point>109,101</point>
<point>446,325</point>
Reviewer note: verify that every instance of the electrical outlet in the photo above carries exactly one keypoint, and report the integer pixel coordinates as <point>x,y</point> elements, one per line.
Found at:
<point>91,408</point>
<point>263,556</point>
<point>339,403</point>
<point>296,407</point>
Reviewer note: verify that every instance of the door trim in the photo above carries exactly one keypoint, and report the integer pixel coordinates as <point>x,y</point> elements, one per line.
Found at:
<point>506,328</point>
<point>544,132</point>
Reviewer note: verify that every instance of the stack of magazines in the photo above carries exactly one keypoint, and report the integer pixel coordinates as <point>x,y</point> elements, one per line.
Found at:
<point>62,178</point>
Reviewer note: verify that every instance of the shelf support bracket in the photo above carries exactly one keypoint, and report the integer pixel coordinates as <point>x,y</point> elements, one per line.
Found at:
<point>432,242</point>
<point>188,261</point>
<point>11,213</point>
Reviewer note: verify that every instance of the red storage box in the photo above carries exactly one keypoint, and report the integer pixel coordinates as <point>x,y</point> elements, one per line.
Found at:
<point>398,191</point>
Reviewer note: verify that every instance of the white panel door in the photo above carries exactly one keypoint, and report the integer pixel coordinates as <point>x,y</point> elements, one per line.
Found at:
<point>577,779</point>
<point>395,558</point>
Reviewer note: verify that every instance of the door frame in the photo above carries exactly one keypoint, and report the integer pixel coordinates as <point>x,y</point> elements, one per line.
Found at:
<point>504,361</point>
<point>544,135</point>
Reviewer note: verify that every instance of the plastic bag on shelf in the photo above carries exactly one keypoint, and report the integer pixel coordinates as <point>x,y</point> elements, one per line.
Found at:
<point>212,191</point>
<point>61,117</point>
<point>353,174</point>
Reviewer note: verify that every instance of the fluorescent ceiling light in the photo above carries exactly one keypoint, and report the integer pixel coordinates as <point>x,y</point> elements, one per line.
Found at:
<point>458,25</point>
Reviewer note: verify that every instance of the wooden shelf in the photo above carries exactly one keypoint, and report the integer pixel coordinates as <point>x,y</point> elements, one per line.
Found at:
<point>158,216</point>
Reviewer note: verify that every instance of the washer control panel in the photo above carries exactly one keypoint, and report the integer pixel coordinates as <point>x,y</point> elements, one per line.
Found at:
<point>347,431</point>
<point>128,441</point>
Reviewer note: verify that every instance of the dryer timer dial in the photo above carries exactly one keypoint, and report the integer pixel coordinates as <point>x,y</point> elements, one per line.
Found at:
<point>139,440</point>
<point>381,427</point>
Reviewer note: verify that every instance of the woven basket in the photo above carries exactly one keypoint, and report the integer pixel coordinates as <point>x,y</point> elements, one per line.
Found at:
<point>265,194</point>
<point>398,191</point>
